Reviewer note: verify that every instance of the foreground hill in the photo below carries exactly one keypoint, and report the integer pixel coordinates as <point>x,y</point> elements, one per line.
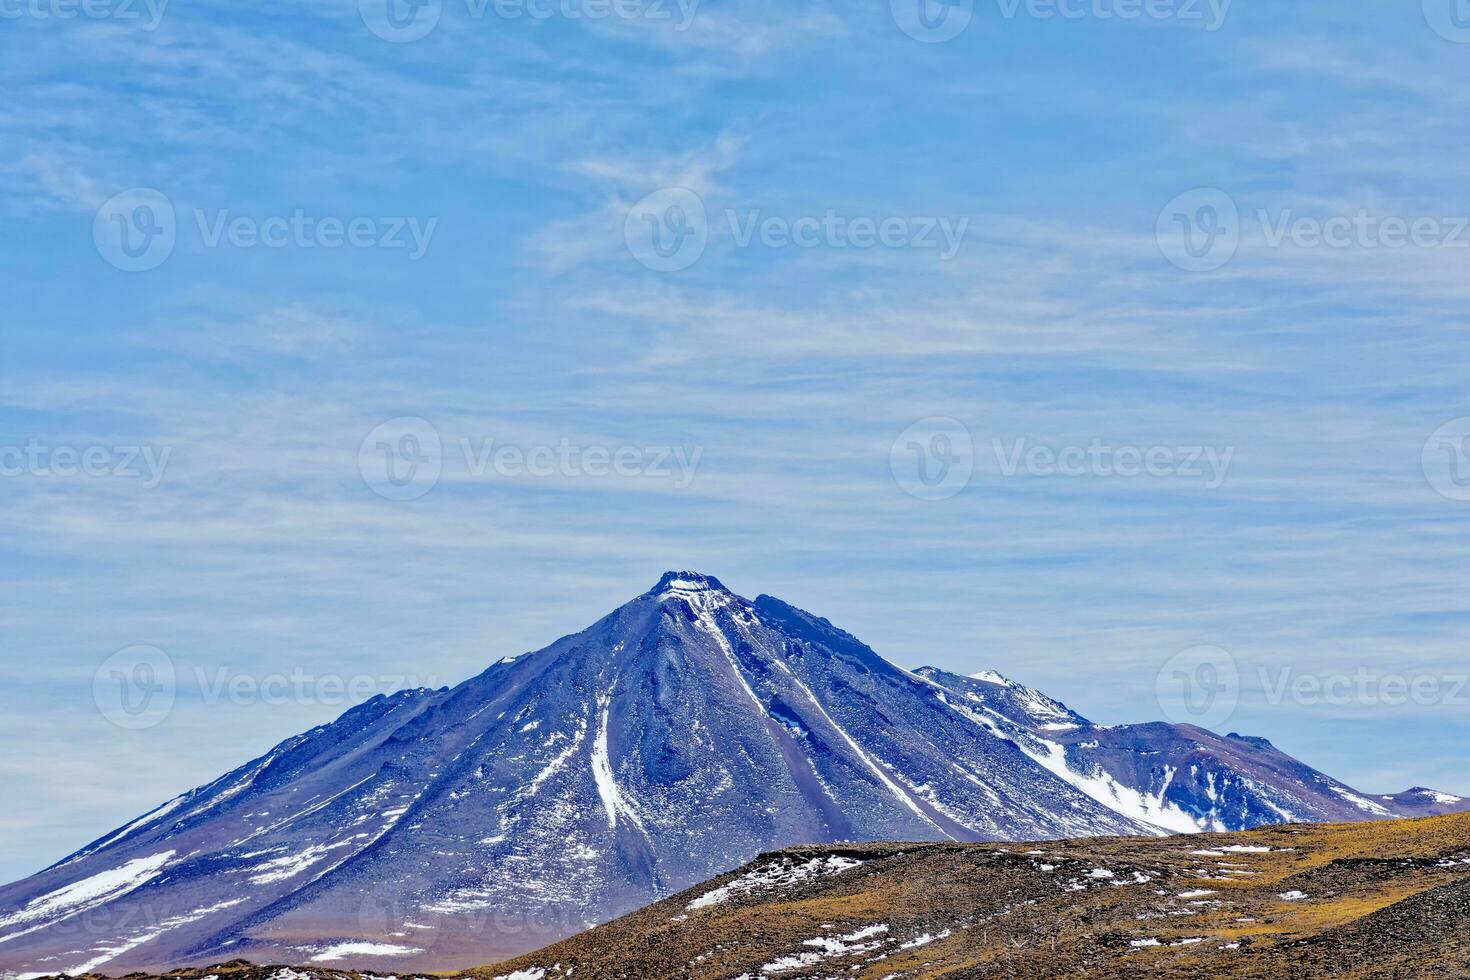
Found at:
<point>1383,900</point>
<point>677,737</point>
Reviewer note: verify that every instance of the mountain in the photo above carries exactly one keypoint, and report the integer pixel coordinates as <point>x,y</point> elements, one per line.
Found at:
<point>673,739</point>
<point>1178,777</point>
<point>1379,900</point>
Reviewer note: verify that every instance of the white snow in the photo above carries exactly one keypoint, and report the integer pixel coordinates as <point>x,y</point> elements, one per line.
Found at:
<point>1197,893</point>
<point>552,767</point>
<point>286,973</point>
<point>687,585</point>
<point>1153,810</point>
<point>88,893</point>
<point>924,940</point>
<point>827,947</point>
<point>1444,799</point>
<point>1144,943</point>
<point>1292,896</point>
<point>341,951</point>
<point>607,787</point>
<point>530,973</point>
<point>290,865</point>
<point>1362,804</point>
<point>173,922</point>
<point>1146,808</point>
<point>991,677</point>
<point>774,875</point>
<point>1246,849</point>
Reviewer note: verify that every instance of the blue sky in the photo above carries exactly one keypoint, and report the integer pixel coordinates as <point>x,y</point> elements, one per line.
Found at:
<point>236,513</point>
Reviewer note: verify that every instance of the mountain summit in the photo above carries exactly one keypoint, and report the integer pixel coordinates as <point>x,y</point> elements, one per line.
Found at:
<point>675,738</point>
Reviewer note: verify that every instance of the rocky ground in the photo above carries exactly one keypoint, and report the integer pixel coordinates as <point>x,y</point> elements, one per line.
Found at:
<point>1380,900</point>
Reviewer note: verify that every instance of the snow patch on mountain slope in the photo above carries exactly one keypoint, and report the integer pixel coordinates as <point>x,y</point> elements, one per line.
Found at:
<point>109,953</point>
<point>1367,806</point>
<point>342,951</point>
<point>88,893</point>
<point>290,865</point>
<point>1099,785</point>
<point>607,787</point>
<point>557,763</point>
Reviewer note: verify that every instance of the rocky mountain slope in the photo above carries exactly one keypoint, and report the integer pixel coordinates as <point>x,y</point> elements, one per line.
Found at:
<point>1179,777</point>
<point>675,738</point>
